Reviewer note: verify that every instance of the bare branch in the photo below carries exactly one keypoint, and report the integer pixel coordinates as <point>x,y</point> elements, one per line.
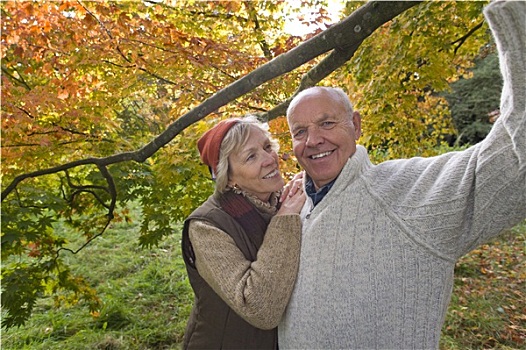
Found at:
<point>85,243</point>
<point>463,39</point>
<point>86,189</point>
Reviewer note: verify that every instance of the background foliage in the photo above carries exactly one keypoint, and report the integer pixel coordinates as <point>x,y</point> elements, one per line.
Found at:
<point>93,79</point>
<point>474,102</point>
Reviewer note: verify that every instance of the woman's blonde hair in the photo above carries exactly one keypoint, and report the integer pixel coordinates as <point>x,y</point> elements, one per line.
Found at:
<point>233,141</point>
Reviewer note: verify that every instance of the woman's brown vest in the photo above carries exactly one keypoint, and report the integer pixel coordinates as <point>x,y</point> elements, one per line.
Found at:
<point>212,323</point>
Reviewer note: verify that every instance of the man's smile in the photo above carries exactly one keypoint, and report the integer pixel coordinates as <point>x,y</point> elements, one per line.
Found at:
<point>320,155</point>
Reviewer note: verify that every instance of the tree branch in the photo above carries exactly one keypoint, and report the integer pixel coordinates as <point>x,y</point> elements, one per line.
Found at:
<point>463,39</point>
<point>20,80</point>
<point>262,43</point>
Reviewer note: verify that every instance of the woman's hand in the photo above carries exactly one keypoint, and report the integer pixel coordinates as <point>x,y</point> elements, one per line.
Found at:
<point>292,187</point>
<point>292,197</point>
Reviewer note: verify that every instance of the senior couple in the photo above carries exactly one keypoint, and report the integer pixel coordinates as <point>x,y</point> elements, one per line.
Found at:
<point>358,256</point>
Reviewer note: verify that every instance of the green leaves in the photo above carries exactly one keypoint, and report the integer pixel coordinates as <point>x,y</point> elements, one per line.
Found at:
<point>22,286</point>
<point>185,184</point>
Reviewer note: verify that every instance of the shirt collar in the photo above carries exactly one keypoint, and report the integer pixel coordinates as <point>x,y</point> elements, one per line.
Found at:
<point>317,196</point>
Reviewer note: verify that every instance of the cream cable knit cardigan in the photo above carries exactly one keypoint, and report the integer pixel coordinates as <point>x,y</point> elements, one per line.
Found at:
<point>378,252</point>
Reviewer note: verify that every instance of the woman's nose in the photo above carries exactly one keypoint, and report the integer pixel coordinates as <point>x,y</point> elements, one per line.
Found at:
<point>269,159</point>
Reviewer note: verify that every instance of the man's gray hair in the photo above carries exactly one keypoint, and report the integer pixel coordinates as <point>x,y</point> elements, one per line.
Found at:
<point>334,92</point>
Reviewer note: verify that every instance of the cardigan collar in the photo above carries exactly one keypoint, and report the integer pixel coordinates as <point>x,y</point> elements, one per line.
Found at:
<point>356,165</point>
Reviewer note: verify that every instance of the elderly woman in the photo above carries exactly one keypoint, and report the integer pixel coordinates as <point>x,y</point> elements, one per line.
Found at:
<point>241,246</point>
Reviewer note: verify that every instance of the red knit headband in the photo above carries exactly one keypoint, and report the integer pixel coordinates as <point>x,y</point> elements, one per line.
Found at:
<point>210,143</point>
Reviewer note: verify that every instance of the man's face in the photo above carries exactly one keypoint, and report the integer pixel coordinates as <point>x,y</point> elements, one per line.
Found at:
<point>323,135</point>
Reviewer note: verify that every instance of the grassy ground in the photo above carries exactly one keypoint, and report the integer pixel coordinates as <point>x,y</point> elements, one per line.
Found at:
<point>145,293</point>
<point>147,299</point>
<point>488,308</point>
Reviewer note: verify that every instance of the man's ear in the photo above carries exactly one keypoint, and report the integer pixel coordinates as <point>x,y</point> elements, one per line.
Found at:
<point>357,122</point>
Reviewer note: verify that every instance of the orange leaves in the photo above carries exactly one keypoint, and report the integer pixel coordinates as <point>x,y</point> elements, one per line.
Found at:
<point>123,21</point>
<point>34,250</point>
<point>12,39</point>
<point>89,22</point>
<point>280,130</point>
<point>63,94</point>
<point>229,6</point>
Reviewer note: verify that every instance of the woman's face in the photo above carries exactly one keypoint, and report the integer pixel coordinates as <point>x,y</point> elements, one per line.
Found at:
<point>255,167</point>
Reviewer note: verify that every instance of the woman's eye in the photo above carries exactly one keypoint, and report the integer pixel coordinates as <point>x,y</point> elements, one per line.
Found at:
<point>268,148</point>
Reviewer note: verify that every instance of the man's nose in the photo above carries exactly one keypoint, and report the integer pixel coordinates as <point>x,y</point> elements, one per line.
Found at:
<point>314,137</point>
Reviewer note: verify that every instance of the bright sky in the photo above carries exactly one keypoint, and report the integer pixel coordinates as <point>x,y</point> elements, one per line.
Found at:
<point>295,27</point>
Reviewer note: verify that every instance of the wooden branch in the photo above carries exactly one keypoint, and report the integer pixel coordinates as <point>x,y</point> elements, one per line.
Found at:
<point>311,78</point>
<point>57,253</point>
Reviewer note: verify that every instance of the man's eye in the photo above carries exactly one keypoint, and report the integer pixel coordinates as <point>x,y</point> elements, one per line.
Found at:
<point>328,125</point>
<point>299,134</point>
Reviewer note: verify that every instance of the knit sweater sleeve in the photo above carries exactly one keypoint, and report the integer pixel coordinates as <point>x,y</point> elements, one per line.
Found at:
<point>258,291</point>
<point>507,20</point>
<point>454,202</point>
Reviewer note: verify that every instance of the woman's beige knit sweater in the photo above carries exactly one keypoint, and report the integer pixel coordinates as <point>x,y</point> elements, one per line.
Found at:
<point>378,252</point>
<point>258,291</point>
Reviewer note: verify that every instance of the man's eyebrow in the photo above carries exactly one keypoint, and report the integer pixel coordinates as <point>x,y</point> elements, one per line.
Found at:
<point>319,119</point>
<point>324,117</point>
<point>295,127</point>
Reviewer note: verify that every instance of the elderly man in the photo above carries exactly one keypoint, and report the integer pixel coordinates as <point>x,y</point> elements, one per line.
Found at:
<point>380,242</point>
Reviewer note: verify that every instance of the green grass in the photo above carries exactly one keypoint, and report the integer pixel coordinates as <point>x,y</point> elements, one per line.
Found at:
<point>145,293</point>
<point>488,309</point>
<point>146,298</point>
